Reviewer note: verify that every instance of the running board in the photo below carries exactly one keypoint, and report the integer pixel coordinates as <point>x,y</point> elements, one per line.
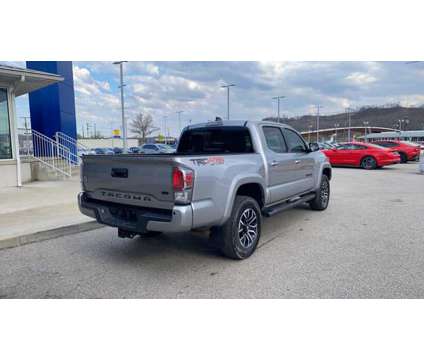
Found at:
<point>272,210</point>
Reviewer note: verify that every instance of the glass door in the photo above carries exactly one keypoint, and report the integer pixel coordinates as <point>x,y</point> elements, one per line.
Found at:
<point>5,140</point>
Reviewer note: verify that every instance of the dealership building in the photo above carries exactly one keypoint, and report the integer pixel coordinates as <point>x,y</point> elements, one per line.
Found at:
<point>15,82</point>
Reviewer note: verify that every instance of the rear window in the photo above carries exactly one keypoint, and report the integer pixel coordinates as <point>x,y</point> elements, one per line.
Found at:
<point>216,140</point>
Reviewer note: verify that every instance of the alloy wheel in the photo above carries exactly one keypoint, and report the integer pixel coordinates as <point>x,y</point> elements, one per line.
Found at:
<point>248,228</point>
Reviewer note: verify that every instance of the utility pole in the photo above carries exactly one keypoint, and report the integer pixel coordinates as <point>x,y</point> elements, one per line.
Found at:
<point>228,98</point>
<point>278,105</point>
<point>179,119</point>
<point>124,122</point>
<point>88,126</point>
<point>318,108</point>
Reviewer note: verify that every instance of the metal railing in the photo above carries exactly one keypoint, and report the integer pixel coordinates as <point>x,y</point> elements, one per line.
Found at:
<point>47,151</point>
<point>72,144</point>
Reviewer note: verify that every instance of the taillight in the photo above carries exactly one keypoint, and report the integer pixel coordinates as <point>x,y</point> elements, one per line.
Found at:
<point>177,179</point>
<point>182,183</point>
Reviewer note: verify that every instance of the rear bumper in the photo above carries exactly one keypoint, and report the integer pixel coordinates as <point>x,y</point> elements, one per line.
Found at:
<point>385,162</point>
<point>414,156</point>
<point>137,219</point>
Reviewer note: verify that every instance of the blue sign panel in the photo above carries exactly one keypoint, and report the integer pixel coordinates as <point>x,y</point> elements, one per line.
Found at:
<point>53,108</point>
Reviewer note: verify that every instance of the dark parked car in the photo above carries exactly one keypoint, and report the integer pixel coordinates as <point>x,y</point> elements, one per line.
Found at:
<point>103,151</point>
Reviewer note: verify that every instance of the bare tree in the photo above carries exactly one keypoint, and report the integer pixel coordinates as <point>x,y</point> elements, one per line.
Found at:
<point>143,126</point>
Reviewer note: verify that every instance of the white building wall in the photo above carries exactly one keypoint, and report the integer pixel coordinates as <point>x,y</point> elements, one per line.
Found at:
<point>8,173</point>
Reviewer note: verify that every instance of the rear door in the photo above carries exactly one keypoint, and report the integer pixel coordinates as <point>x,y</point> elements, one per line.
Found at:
<point>287,168</point>
<point>280,164</point>
<point>303,159</point>
<point>357,152</point>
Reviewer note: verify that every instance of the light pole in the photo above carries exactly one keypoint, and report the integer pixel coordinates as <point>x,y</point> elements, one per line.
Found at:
<point>124,122</point>
<point>228,98</point>
<point>278,105</point>
<point>318,108</point>
<point>179,119</point>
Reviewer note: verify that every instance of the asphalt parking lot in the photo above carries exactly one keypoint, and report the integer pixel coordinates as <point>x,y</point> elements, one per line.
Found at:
<point>369,243</point>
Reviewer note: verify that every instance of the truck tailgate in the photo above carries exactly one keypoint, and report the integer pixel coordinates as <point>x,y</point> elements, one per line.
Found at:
<point>138,180</point>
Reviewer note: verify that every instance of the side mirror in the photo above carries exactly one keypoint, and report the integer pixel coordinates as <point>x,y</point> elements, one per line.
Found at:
<point>313,146</point>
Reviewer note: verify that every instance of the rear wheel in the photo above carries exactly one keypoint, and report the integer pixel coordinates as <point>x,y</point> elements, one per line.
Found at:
<point>240,234</point>
<point>368,163</point>
<point>322,197</point>
<point>403,158</point>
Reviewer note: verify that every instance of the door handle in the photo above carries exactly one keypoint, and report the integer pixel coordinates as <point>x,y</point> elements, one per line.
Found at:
<point>297,161</point>
<point>274,163</point>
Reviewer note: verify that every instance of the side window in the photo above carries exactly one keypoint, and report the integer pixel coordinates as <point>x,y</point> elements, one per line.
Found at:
<point>274,139</point>
<point>294,142</point>
<point>344,147</point>
<point>358,147</point>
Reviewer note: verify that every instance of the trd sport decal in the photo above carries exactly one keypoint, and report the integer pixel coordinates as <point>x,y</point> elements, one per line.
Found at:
<point>213,160</point>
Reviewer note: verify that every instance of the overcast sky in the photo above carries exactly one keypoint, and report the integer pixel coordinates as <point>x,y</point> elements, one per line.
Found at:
<point>162,88</point>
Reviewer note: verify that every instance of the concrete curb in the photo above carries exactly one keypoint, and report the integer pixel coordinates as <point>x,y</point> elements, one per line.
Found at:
<point>48,234</point>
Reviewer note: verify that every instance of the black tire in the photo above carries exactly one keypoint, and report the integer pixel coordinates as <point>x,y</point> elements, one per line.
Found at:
<point>322,197</point>
<point>403,158</point>
<point>368,163</point>
<point>239,236</point>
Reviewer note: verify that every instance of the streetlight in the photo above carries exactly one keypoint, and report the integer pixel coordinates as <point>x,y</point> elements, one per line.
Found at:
<point>179,119</point>
<point>228,98</point>
<point>124,122</point>
<point>278,106</point>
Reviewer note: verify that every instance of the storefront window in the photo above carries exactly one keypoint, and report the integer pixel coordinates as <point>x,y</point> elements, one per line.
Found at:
<point>5,143</point>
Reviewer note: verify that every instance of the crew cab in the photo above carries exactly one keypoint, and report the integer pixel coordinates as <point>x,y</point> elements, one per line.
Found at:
<point>224,177</point>
<point>407,151</point>
<point>359,154</point>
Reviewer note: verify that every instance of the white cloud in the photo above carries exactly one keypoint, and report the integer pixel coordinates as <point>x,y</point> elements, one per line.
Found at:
<point>86,84</point>
<point>162,88</point>
<point>361,78</point>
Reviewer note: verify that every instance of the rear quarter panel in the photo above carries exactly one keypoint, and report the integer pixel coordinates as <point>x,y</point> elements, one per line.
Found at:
<point>216,180</point>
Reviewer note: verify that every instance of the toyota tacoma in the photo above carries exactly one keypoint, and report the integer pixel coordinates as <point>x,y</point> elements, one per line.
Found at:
<point>224,176</point>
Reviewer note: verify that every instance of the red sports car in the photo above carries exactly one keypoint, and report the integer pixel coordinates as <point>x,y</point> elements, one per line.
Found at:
<point>406,150</point>
<point>364,155</point>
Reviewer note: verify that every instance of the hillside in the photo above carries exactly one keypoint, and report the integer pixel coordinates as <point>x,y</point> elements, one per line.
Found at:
<point>376,116</point>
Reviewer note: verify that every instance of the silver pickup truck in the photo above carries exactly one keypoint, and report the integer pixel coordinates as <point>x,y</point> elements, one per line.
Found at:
<point>224,176</point>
